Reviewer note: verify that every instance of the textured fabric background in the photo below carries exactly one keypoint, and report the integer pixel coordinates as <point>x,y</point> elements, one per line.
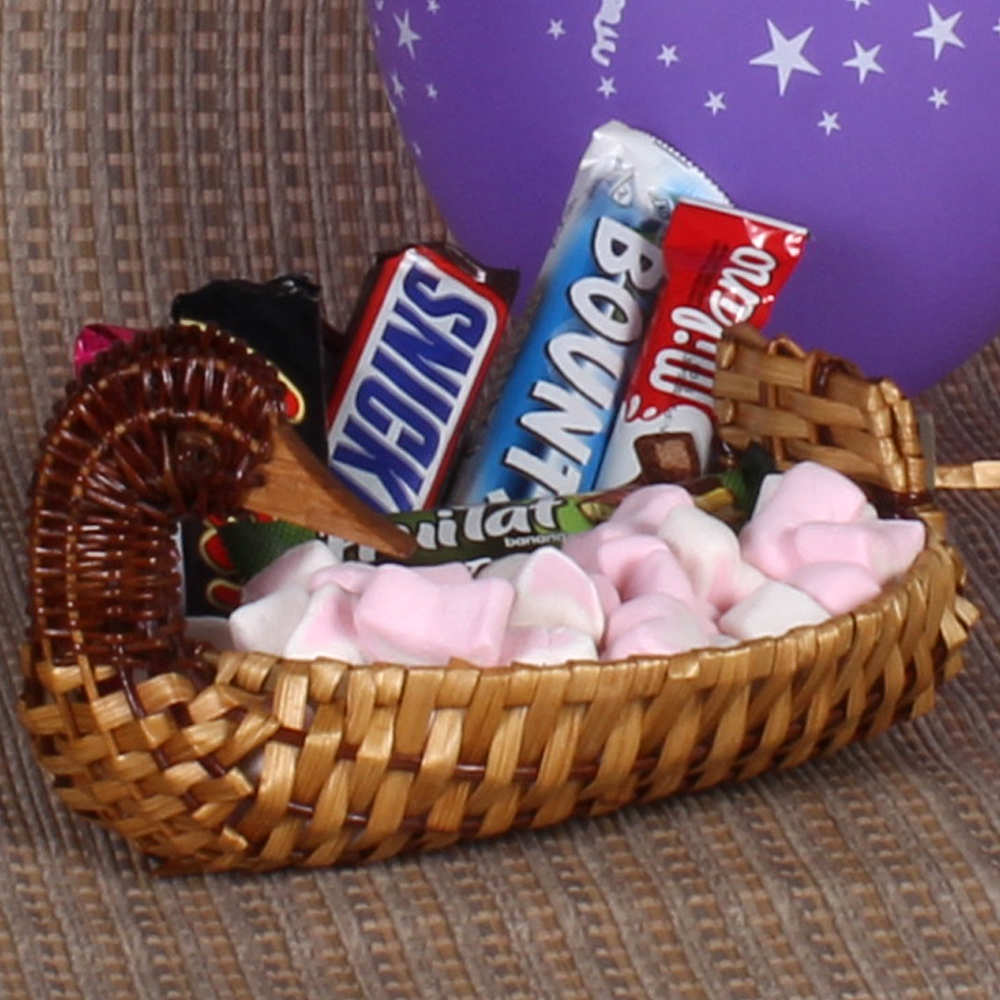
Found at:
<point>145,147</point>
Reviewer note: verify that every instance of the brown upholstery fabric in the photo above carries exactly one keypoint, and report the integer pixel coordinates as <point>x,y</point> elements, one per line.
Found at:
<point>147,147</point>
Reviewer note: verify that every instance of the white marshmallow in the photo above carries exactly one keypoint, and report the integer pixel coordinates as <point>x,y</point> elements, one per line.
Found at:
<point>553,591</point>
<point>326,628</point>
<point>294,566</point>
<point>771,609</point>
<point>264,625</point>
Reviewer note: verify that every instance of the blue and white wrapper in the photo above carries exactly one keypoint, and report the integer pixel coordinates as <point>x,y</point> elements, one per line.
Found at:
<point>595,294</point>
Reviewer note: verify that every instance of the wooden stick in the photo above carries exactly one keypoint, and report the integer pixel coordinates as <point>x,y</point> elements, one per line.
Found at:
<point>300,489</point>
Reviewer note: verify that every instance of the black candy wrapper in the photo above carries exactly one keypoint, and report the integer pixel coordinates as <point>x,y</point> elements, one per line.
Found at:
<point>282,319</point>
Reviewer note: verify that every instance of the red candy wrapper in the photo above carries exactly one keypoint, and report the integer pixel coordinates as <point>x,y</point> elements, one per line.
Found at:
<point>724,266</point>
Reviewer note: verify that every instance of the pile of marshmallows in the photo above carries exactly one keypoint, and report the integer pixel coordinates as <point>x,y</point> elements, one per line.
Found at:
<point>660,576</point>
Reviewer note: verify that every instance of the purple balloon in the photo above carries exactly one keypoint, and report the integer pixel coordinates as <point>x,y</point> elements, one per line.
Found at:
<point>874,123</point>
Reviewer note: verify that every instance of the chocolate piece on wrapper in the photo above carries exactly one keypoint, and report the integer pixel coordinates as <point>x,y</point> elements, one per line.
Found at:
<point>426,327</point>
<point>668,457</point>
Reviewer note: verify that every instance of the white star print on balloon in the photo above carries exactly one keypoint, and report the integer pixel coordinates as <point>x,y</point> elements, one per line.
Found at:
<point>407,36</point>
<point>864,61</point>
<point>556,29</point>
<point>829,122</point>
<point>716,102</point>
<point>858,4</point>
<point>939,97</point>
<point>607,87</point>
<point>785,55</point>
<point>941,31</point>
<point>668,55</point>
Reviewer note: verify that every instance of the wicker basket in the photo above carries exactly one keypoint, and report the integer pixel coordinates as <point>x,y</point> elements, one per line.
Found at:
<point>213,761</point>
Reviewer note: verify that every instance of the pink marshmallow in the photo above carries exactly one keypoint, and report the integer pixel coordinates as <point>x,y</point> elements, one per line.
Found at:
<point>583,547</point>
<point>658,572</point>
<point>771,609</point>
<point>294,566</point>
<point>617,558</point>
<point>806,492</point>
<point>553,591</point>
<point>632,613</point>
<point>885,548</point>
<point>708,550</point>
<point>606,592</point>
<point>838,586</point>
<point>264,625</point>
<point>646,508</point>
<point>545,646</point>
<point>326,628</point>
<point>405,617</point>
<point>673,633</point>
<point>449,572</point>
<point>352,576</point>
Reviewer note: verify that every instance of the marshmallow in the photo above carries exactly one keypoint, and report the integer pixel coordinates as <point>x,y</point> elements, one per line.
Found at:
<point>631,614</point>
<point>617,556</point>
<point>352,576</point>
<point>660,636</point>
<point>659,572</point>
<point>552,590</point>
<point>294,566</point>
<point>504,568</point>
<point>326,628</point>
<point>606,592</point>
<point>449,572</point>
<point>771,609</point>
<point>546,646</point>
<point>807,492</point>
<point>838,586</point>
<point>646,508</point>
<point>405,617</point>
<point>583,547</point>
<point>885,548</point>
<point>265,624</point>
<point>709,551</point>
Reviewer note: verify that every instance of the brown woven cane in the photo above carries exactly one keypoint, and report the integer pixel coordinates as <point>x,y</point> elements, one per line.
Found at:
<point>213,761</point>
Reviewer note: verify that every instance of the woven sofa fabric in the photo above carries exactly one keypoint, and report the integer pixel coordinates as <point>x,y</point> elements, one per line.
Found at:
<point>145,148</point>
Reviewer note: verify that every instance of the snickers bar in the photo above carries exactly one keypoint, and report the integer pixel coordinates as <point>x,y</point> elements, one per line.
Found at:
<point>423,339</point>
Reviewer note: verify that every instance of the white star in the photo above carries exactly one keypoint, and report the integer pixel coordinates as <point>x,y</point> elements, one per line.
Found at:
<point>996,27</point>
<point>556,29</point>
<point>397,86</point>
<point>941,31</point>
<point>607,87</point>
<point>379,4</point>
<point>785,55</point>
<point>864,61</point>
<point>417,149</point>
<point>939,97</point>
<point>829,122</point>
<point>407,36</point>
<point>433,6</point>
<point>668,54</point>
<point>432,91</point>
<point>716,102</point>
<point>858,4</point>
